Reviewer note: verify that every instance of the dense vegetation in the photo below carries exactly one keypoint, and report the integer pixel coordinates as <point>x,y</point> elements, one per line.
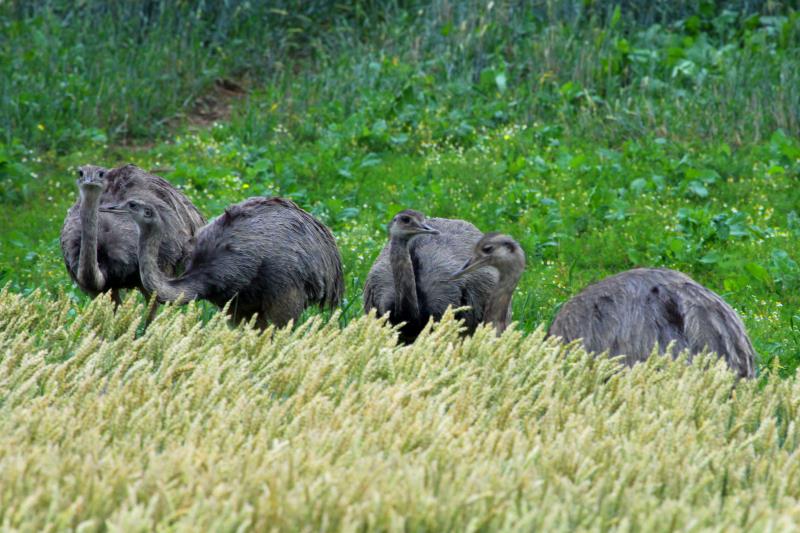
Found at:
<point>194,426</point>
<point>602,137</point>
<point>601,134</point>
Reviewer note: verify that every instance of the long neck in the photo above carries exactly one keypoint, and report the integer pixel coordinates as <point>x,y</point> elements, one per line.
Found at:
<point>89,274</point>
<point>153,279</point>
<point>406,306</point>
<point>497,307</point>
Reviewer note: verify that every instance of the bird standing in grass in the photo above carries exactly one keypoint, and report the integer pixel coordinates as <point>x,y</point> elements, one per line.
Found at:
<point>503,254</point>
<point>631,313</point>
<point>412,278</point>
<point>265,256</point>
<point>100,251</point>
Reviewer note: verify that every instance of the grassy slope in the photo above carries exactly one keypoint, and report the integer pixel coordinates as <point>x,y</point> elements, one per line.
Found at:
<point>207,427</point>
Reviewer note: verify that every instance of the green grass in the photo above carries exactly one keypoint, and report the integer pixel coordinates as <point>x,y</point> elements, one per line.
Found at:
<point>581,210</point>
<point>76,73</point>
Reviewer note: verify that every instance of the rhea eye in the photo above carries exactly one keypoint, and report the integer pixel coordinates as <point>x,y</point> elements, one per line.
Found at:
<point>101,173</point>
<point>405,219</point>
<point>488,249</point>
<point>80,173</point>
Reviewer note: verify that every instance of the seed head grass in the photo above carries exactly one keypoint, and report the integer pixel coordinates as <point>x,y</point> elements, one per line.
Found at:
<point>197,425</point>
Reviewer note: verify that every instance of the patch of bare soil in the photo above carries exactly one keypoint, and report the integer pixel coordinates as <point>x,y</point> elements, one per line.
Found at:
<point>215,105</point>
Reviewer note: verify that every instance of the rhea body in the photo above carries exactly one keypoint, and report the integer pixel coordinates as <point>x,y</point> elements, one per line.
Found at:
<point>411,279</point>
<point>264,255</point>
<point>100,250</point>
<point>504,255</point>
<point>631,313</point>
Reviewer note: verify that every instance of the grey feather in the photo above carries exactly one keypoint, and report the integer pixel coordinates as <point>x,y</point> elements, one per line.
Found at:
<point>434,258</point>
<point>117,257</point>
<point>264,255</point>
<point>505,256</point>
<point>630,313</point>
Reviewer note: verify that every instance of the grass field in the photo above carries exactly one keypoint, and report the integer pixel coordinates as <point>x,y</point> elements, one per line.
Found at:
<point>601,135</point>
<point>204,427</point>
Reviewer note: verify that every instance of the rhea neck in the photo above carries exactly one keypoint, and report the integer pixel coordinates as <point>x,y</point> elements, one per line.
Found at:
<point>153,279</point>
<point>406,304</point>
<point>497,310</point>
<point>89,274</point>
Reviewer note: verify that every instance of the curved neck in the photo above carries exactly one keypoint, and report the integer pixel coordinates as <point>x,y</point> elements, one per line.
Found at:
<point>153,279</point>
<point>406,306</point>
<point>89,274</point>
<point>497,307</point>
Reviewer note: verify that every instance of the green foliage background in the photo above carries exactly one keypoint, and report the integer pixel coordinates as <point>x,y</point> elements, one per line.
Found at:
<point>602,135</point>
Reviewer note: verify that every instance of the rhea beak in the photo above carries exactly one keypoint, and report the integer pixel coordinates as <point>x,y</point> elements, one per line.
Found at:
<point>471,265</point>
<point>425,229</point>
<point>116,209</point>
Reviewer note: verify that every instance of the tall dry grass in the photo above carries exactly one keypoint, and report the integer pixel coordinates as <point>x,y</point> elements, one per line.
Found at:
<point>195,426</point>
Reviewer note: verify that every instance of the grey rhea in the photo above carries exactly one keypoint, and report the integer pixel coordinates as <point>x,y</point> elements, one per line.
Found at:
<point>264,255</point>
<point>100,251</point>
<point>632,312</point>
<point>412,277</point>
<point>503,254</point>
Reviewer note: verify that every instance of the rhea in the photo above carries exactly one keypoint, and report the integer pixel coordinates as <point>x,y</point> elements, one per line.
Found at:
<point>633,312</point>
<point>503,254</point>
<point>265,256</point>
<point>411,279</point>
<point>100,251</point>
